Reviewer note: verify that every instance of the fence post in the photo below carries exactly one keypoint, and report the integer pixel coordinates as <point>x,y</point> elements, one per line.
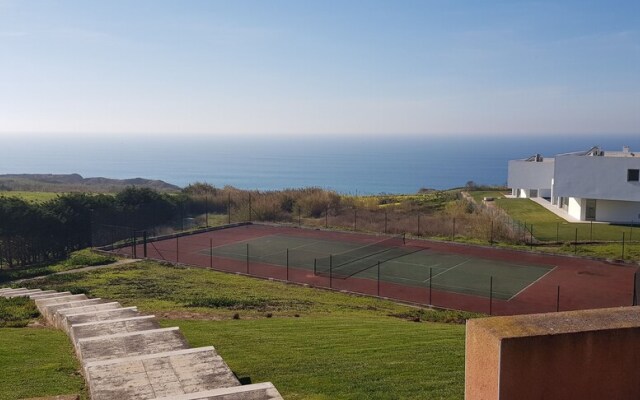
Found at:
<point>418,224</point>
<point>557,232</point>
<point>315,262</point>
<point>206,210</point>
<point>591,231</point>
<point>210,253</point>
<point>453,232</point>
<point>144,243</point>
<point>326,218</point>
<point>631,231</point>
<point>491,295</point>
<point>247,258</point>
<point>385,220</point>
<point>531,239</point>
<point>355,219</point>
<point>378,278</point>
<point>229,208</point>
<point>177,249</point>
<point>634,301</point>
<point>430,285</point>
<point>558,300</point>
<point>299,217</point>
<point>250,207</point>
<point>575,243</point>
<point>491,234</point>
<point>330,271</point>
<point>623,245</point>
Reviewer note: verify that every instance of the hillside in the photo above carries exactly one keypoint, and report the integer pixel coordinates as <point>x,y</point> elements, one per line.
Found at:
<point>76,183</point>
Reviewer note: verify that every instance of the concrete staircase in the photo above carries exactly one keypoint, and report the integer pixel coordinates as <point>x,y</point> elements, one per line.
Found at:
<point>126,355</point>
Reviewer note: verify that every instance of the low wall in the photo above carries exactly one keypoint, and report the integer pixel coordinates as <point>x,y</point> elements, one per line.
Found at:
<point>591,354</point>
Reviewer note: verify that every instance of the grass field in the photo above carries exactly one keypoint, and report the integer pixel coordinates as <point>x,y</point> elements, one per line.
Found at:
<point>313,344</point>
<point>33,197</point>
<point>36,362</point>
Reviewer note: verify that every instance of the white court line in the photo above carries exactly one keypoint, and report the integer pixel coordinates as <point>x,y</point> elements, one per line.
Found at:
<point>448,269</point>
<point>529,285</point>
<point>292,248</point>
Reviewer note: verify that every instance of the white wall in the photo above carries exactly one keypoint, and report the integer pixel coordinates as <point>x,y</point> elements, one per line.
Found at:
<point>594,177</point>
<point>530,174</point>
<point>618,211</point>
<point>576,208</point>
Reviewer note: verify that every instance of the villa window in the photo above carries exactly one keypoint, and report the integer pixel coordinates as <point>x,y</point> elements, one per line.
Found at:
<point>633,175</point>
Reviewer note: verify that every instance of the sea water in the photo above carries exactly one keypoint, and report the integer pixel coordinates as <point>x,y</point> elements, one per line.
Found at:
<point>347,164</point>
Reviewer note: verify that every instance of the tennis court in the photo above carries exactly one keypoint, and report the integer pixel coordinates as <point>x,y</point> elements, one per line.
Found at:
<point>389,260</point>
<point>436,273</point>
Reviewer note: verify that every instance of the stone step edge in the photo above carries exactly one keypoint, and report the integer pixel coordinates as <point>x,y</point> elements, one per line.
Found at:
<point>221,391</point>
<point>58,294</point>
<point>22,292</point>
<point>28,293</point>
<point>8,289</point>
<point>70,303</point>
<point>134,308</point>
<point>120,335</point>
<point>111,321</point>
<point>101,363</point>
<point>42,302</point>
<point>88,305</point>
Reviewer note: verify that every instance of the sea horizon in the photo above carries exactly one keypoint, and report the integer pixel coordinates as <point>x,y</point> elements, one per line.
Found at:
<point>350,164</point>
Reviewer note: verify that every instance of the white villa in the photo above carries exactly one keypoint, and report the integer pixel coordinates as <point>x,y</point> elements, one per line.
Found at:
<point>589,185</point>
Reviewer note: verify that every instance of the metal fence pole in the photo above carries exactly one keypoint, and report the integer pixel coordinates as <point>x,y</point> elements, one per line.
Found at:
<point>430,285</point>
<point>247,258</point>
<point>591,231</point>
<point>315,262</point>
<point>491,234</point>
<point>229,208</point>
<point>531,239</point>
<point>177,249</point>
<point>326,218</point>
<point>378,278</point>
<point>355,219</point>
<point>558,299</point>
<point>491,295</point>
<point>206,210</point>
<point>134,251</point>
<point>418,224</point>
<point>299,217</point>
<point>634,301</point>
<point>210,253</point>
<point>575,243</point>
<point>250,207</point>
<point>330,271</point>
<point>144,243</point>
<point>557,232</point>
<point>287,263</point>
<point>623,245</point>
<point>453,232</point>
<point>385,220</point>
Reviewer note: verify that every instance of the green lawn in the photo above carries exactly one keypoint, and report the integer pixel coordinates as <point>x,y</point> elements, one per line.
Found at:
<point>340,357</point>
<point>33,197</point>
<point>548,227</point>
<point>37,362</point>
<point>312,343</point>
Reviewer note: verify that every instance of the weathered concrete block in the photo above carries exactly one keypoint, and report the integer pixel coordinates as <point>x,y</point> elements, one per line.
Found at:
<point>591,354</point>
<point>130,344</point>
<point>26,293</point>
<point>63,299</point>
<point>158,375</point>
<point>49,311</point>
<point>44,295</point>
<point>59,318</point>
<point>256,391</point>
<point>78,316</point>
<point>6,290</point>
<point>110,327</point>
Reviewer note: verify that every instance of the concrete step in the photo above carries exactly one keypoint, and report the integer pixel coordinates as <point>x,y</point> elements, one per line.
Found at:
<point>256,391</point>
<point>59,318</point>
<point>49,311</point>
<point>130,344</point>
<point>62,299</point>
<point>44,295</point>
<point>165,374</point>
<point>26,293</point>
<point>8,289</point>
<point>111,327</point>
<point>72,317</point>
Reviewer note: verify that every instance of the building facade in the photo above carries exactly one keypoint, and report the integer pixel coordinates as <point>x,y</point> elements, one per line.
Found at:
<point>593,185</point>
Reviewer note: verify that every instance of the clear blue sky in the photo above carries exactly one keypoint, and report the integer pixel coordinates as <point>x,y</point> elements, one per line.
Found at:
<point>331,67</point>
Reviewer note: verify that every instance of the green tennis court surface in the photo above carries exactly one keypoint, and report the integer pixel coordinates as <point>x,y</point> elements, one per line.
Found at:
<point>399,264</point>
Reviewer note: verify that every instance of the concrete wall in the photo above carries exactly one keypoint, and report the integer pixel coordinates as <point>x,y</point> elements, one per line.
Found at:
<point>593,177</point>
<point>591,354</point>
<point>576,208</point>
<point>530,174</point>
<point>618,211</point>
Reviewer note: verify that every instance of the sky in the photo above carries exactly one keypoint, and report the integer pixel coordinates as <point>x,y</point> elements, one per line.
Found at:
<point>319,67</point>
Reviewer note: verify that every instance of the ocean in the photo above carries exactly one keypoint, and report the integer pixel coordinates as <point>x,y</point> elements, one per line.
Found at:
<point>350,164</point>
